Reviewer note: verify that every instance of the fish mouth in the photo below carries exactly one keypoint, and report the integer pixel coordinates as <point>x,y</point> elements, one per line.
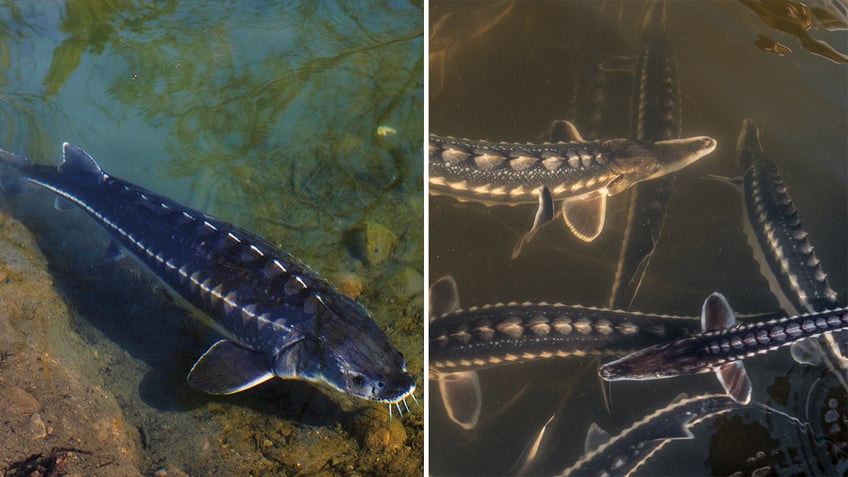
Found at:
<point>396,392</point>
<point>400,398</point>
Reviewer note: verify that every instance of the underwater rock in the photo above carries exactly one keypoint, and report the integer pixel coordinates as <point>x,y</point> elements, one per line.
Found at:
<point>348,283</point>
<point>372,243</point>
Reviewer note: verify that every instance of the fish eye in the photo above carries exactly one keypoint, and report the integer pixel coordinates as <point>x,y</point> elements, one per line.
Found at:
<point>381,384</point>
<point>359,380</point>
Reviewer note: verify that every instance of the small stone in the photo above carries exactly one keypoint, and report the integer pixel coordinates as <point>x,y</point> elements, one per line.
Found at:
<point>379,243</point>
<point>37,427</point>
<point>170,471</point>
<point>350,284</point>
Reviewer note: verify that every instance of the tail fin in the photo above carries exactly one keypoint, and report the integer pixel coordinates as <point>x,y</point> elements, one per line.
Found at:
<point>12,178</point>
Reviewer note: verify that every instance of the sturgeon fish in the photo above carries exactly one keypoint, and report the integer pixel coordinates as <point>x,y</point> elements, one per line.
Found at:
<point>657,117</point>
<point>722,346</point>
<point>278,317</point>
<point>465,341</point>
<point>626,452</point>
<point>581,173</point>
<point>777,237</point>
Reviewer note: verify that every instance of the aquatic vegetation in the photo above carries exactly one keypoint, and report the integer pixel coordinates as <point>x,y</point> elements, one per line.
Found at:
<point>265,114</point>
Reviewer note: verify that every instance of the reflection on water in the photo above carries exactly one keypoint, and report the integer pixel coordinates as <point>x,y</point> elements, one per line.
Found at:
<point>270,115</point>
<point>797,19</point>
<point>509,84</point>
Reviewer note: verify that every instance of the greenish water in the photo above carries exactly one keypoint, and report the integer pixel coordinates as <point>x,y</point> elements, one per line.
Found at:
<point>269,115</point>
<point>502,71</point>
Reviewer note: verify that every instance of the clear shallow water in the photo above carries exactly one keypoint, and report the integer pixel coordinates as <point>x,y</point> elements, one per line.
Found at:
<point>266,115</point>
<point>504,72</point>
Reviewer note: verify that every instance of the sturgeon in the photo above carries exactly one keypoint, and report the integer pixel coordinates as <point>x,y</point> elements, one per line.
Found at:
<point>778,239</point>
<point>581,173</point>
<point>657,117</point>
<point>278,317</point>
<point>626,452</point>
<point>465,341</point>
<point>722,346</point>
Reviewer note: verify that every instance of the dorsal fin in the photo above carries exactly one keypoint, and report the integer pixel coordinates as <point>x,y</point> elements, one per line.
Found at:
<point>716,313</point>
<point>565,131</point>
<point>77,161</point>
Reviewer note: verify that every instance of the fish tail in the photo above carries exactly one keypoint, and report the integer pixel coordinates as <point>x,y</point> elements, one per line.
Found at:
<point>12,172</point>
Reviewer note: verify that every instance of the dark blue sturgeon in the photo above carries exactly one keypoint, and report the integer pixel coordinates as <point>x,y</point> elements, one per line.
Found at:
<point>278,317</point>
<point>722,347</point>
<point>581,173</point>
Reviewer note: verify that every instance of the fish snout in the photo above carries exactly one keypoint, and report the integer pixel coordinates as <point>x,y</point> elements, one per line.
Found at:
<point>394,389</point>
<point>675,154</point>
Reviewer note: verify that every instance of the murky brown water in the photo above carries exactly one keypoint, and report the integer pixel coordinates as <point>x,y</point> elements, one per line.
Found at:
<point>504,71</point>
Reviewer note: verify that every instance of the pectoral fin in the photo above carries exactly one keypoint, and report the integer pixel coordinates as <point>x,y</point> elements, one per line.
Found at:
<point>226,368</point>
<point>585,214</point>
<point>806,352</point>
<point>444,297</point>
<point>462,397</point>
<point>734,380</point>
<point>544,214</point>
<point>716,314</point>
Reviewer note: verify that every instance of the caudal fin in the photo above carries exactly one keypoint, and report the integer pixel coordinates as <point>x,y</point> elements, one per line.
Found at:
<point>12,177</point>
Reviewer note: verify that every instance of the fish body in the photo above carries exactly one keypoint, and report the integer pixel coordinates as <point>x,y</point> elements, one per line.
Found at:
<point>775,232</point>
<point>780,243</point>
<point>465,341</point>
<point>580,173</point>
<point>507,173</point>
<point>722,347</point>
<point>657,117</point>
<point>493,335</point>
<point>279,317</point>
<point>626,452</point>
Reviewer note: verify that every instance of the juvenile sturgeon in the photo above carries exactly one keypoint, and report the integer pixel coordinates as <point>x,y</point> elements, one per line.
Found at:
<point>722,346</point>
<point>658,113</point>
<point>777,237</point>
<point>278,317</point>
<point>581,173</point>
<point>465,341</point>
<point>626,452</point>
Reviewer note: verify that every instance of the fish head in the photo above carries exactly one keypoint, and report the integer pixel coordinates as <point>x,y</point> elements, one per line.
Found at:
<point>655,362</point>
<point>749,149</point>
<point>638,161</point>
<point>343,348</point>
